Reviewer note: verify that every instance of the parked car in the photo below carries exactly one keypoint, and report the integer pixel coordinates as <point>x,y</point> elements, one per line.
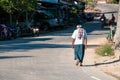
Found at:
<point>45,20</point>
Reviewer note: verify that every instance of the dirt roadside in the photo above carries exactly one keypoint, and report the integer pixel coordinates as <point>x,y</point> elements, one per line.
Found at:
<point>107,64</point>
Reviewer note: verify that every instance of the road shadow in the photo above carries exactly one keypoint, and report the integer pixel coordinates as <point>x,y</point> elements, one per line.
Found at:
<point>98,64</point>
<point>26,47</point>
<point>93,46</point>
<point>11,57</point>
<point>98,33</point>
<point>88,26</point>
<point>24,40</point>
<point>94,26</point>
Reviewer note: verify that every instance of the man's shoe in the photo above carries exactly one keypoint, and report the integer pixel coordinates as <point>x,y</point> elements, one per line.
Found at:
<point>81,64</point>
<point>77,63</point>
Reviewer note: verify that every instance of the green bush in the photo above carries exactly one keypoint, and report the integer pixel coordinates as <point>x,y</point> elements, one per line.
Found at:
<point>105,50</point>
<point>114,1</point>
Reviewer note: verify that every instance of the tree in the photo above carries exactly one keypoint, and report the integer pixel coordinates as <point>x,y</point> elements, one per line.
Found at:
<point>8,6</point>
<point>25,6</point>
<point>19,6</point>
<point>117,35</point>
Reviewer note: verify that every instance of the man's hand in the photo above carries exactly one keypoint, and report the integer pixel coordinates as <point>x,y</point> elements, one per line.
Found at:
<point>73,40</point>
<point>72,46</point>
<point>85,40</point>
<point>85,46</point>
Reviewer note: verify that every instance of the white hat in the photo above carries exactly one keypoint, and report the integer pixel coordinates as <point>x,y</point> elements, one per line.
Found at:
<point>79,26</point>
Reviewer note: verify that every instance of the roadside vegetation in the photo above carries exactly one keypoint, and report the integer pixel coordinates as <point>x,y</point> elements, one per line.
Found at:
<point>115,1</point>
<point>105,50</point>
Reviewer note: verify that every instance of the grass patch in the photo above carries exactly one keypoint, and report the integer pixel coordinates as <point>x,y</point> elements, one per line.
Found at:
<point>105,50</point>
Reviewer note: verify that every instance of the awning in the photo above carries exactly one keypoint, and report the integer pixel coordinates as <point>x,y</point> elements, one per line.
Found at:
<point>49,1</point>
<point>55,2</point>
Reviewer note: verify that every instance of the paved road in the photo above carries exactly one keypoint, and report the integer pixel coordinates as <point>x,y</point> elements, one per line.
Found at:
<point>48,57</point>
<point>108,8</point>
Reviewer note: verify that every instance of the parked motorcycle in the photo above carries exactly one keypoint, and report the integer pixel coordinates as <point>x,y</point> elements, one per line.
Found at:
<point>104,21</point>
<point>3,32</point>
<point>13,32</point>
<point>35,30</point>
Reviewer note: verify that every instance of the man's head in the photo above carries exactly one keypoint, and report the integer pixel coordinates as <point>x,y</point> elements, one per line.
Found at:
<point>79,26</point>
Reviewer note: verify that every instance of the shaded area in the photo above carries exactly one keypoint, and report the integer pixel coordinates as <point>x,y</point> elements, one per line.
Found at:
<point>89,26</point>
<point>10,57</point>
<point>25,47</point>
<point>94,26</point>
<point>98,33</point>
<point>23,40</point>
<point>30,43</point>
<point>93,46</point>
<point>98,64</point>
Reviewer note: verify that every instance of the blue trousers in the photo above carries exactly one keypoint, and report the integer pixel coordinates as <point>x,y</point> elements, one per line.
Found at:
<point>79,52</point>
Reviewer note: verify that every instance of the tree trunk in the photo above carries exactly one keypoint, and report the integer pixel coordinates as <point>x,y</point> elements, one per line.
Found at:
<point>117,35</point>
<point>26,21</point>
<point>10,19</point>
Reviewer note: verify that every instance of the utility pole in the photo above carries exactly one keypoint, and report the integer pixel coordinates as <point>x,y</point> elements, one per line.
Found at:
<point>117,35</point>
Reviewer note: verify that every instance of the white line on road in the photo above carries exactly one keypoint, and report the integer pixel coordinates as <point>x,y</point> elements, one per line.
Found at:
<point>95,78</point>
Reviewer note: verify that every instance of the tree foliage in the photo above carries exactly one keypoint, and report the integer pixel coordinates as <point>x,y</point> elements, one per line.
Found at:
<point>7,5</point>
<point>25,5</point>
<point>11,6</point>
<point>17,6</point>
